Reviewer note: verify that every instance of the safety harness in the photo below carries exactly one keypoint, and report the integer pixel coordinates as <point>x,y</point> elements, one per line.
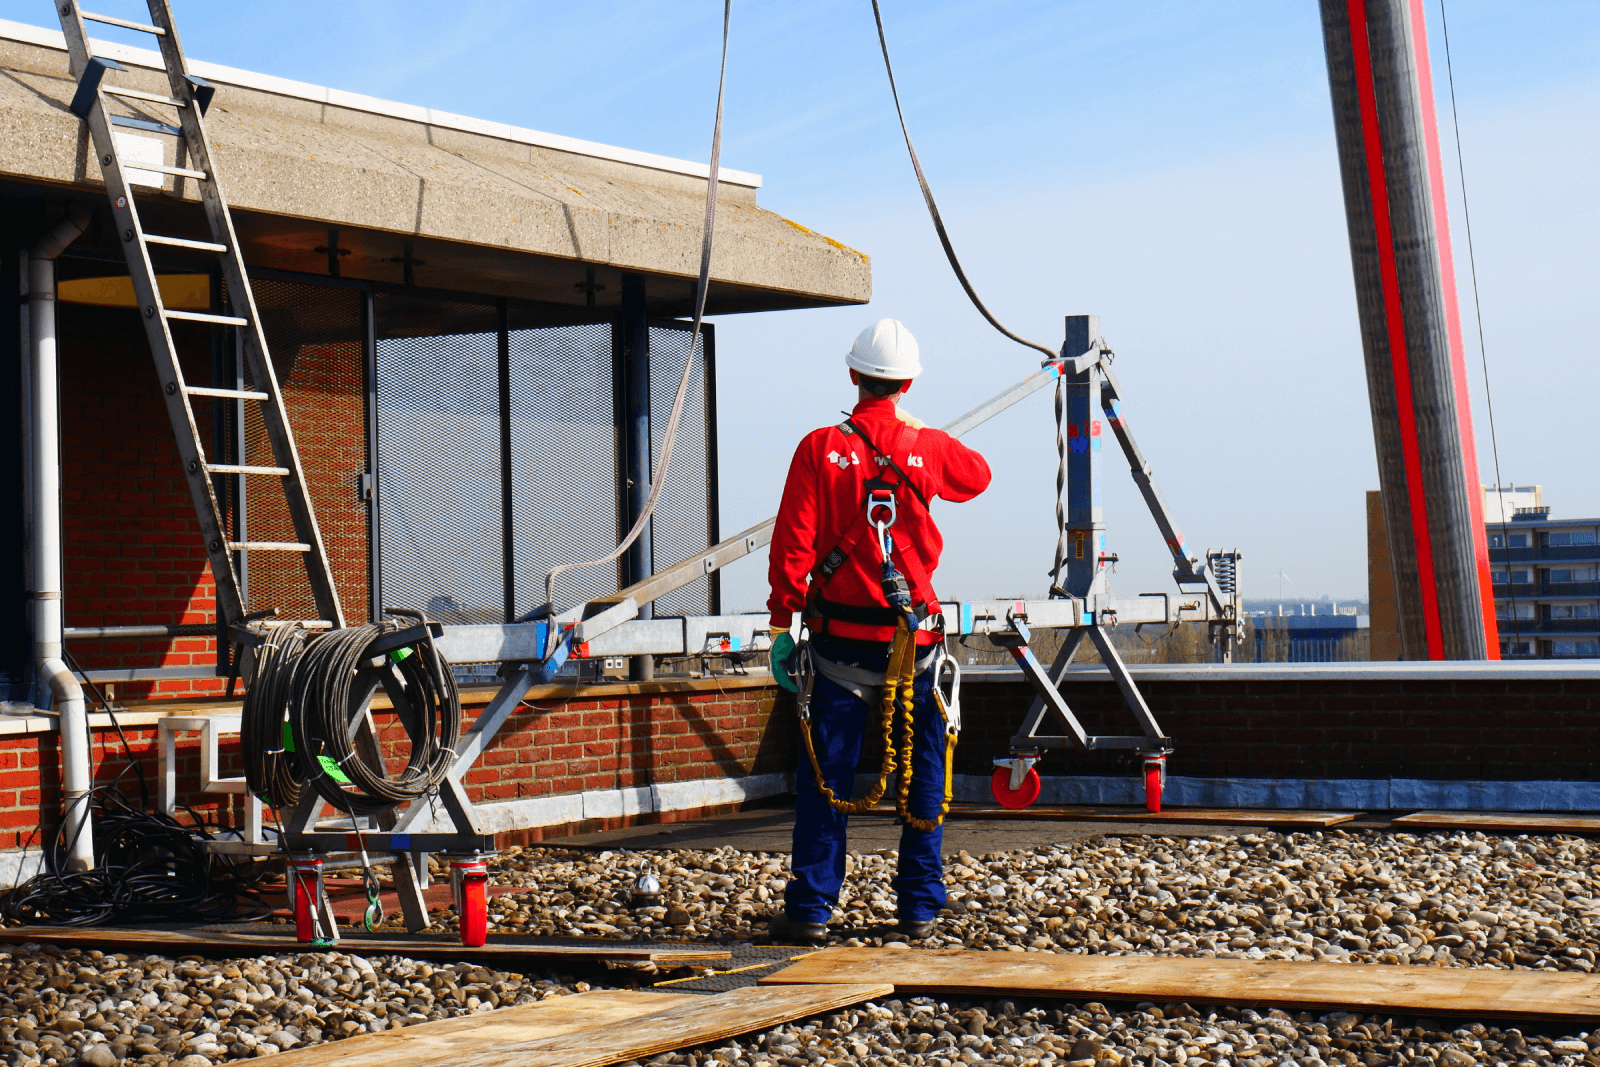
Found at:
<point>880,510</point>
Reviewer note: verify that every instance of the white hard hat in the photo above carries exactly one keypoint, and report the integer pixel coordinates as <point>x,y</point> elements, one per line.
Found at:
<point>885,349</point>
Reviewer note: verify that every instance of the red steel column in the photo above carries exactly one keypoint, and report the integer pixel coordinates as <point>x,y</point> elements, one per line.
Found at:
<point>1389,160</point>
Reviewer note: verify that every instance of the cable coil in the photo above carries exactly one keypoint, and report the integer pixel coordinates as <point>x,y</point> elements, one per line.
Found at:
<point>304,721</point>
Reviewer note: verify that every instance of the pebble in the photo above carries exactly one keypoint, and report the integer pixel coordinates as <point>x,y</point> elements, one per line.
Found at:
<point>921,1030</point>
<point>73,1008</point>
<point>1446,900</point>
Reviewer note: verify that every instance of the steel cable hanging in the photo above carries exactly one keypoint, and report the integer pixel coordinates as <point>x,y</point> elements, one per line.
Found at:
<point>933,208</point>
<point>669,437</point>
<point>1483,350</point>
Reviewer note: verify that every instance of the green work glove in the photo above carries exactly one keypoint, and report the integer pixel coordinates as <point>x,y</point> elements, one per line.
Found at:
<point>783,660</point>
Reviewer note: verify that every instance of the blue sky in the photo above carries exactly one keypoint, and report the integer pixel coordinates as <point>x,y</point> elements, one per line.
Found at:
<point>1169,166</point>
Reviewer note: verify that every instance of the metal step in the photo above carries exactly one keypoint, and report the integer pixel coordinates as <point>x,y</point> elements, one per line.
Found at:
<point>205,316</point>
<point>111,20</point>
<point>182,242</point>
<point>140,94</point>
<point>267,546</point>
<point>225,394</point>
<point>240,468</point>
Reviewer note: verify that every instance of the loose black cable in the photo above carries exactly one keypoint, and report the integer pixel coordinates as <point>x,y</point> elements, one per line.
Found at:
<point>148,868</point>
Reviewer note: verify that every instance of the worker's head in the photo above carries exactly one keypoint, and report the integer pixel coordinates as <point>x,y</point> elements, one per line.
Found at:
<point>884,359</point>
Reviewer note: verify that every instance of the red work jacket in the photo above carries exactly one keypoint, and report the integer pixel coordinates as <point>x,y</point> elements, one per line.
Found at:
<point>824,504</point>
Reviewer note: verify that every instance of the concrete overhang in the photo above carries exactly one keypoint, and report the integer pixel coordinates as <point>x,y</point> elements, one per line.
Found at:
<point>475,206</point>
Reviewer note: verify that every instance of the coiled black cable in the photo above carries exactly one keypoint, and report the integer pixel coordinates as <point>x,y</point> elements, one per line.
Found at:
<point>326,685</point>
<point>270,768</point>
<point>148,868</point>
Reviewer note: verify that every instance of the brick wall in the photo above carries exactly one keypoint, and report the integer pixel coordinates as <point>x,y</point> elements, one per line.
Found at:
<point>1447,730</point>
<point>133,552</point>
<point>559,742</point>
<point>131,543</point>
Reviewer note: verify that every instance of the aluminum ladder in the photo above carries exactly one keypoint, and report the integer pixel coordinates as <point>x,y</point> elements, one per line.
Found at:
<point>189,99</point>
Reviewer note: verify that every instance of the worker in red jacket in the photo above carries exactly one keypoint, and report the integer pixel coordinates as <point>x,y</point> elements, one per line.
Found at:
<point>853,554</point>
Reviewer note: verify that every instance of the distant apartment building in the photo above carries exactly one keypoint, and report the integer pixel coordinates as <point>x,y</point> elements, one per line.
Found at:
<point>1306,631</point>
<point>1546,575</point>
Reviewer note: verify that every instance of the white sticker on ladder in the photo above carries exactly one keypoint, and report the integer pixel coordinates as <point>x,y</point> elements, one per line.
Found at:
<point>135,149</point>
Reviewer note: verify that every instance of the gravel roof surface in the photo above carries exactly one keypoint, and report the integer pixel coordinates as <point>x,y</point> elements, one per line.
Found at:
<point>1443,899</point>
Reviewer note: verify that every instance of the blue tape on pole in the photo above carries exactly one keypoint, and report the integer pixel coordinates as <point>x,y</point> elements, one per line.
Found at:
<point>402,842</point>
<point>966,618</point>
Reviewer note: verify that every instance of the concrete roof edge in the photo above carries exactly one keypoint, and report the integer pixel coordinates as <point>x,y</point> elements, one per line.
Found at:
<point>1349,671</point>
<point>144,57</point>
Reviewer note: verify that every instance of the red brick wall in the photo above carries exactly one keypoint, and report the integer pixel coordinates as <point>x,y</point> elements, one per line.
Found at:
<point>133,552</point>
<point>1493,730</point>
<point>556,744</point>
<point>131,543</point>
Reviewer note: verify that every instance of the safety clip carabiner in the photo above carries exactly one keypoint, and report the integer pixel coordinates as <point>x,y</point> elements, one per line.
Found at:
<point>881,514</point>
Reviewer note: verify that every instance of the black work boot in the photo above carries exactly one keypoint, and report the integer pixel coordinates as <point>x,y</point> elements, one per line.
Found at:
<point>783,928</point>
<point>916,931</point>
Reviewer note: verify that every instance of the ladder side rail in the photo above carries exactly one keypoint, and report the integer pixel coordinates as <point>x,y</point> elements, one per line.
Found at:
<point>142,274</point>
<point>275,415</point>
<point>1144,478</point>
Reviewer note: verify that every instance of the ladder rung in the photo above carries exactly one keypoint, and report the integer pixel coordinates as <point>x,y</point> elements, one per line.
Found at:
<point>225,394</point>
<point>181,242</point>
<point>267,546</point>
<point>147,125</point>
<point>162,168</point>
<point>140,94</point>
<point>142,27</point>
<point>235,468</point>
<point>201,316</point>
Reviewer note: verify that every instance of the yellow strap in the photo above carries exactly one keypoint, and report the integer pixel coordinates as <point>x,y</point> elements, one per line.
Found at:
<point>899,694</point>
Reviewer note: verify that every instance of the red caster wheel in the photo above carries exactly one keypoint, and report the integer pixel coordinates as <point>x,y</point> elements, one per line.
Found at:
<point>1155,775</point>
<point>305,890</point>
<point>1026,790</point>
<point>469,879</point>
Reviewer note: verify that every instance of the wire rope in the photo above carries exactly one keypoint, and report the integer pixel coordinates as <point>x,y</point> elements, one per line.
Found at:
<point>933,207</point>
<point>1477,307</point>
<point>670,436</point>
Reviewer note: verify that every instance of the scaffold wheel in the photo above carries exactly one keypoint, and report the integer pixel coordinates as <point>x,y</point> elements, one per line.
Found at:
<point>1019,798</point>
<point>1153,773</point>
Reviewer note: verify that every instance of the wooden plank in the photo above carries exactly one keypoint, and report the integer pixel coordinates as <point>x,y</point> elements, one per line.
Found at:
<point>441,1042</point>
<point>1507,822</point>
<point>587,1029</point>
<point>1480,992</point>
<point>1219,816</point>
<point>416,946</point>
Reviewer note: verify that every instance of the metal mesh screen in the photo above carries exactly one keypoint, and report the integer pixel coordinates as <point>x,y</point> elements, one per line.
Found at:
<point>439,479</point>
<point>685,518</point>
<point>563,461</point>
<point>314,336</point>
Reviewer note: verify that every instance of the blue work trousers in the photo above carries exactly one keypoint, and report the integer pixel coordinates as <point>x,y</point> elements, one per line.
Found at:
<point>839,721</point>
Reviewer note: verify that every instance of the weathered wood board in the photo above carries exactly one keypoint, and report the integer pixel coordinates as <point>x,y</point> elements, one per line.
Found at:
<point>1220,816</point>
<point>417,946</point>
<point>1509,822</point>
<point>1473,991</point>
<point>585,1030</point>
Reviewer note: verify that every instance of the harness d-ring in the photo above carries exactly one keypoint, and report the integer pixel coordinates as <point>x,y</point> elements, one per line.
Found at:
<point>882,511</point>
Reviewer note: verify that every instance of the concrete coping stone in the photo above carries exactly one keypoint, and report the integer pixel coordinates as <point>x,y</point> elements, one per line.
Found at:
<point>1403,671</point>
<point>267,83</point>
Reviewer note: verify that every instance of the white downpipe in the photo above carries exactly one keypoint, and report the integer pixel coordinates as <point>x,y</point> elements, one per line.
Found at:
<point>49,664</point>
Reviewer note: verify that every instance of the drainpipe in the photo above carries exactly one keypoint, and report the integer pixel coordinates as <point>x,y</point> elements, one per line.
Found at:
<point>49,665</point>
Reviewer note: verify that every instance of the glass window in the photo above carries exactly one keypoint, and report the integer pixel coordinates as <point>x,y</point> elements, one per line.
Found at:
<point>1516,648</point>
<point>1520,540</point>
<point>1524,574</point>
<point>1498,577</point>
<point>1561,575</point>
<point>1575,648</point>
<point>1560,538</point>
<point>1497,541</point>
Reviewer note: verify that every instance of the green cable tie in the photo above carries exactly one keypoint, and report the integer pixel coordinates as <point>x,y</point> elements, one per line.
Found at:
<point>400,655</point>
<point>288,736</point>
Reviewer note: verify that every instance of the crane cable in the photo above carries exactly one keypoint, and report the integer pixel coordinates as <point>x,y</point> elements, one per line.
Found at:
<point>933,208</point>
<point>1483,349</point>
<point>670,436</point>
